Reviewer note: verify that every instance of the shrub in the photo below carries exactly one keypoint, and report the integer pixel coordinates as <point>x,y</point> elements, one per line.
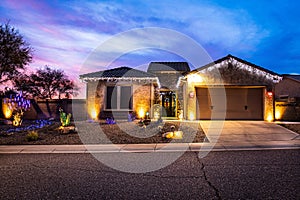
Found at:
<point>32,136</point>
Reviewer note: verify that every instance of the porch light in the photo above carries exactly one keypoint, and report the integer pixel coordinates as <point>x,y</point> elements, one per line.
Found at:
<point>270,94</point>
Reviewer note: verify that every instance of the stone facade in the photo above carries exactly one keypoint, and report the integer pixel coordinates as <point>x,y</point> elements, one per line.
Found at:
<point>143,98</point>
<point>96,96</point>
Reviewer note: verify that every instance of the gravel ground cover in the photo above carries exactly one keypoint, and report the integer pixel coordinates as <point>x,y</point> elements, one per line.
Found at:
<point>119,133</point>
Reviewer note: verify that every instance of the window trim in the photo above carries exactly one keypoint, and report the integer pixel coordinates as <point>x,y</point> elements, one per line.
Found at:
<point>118,98</point>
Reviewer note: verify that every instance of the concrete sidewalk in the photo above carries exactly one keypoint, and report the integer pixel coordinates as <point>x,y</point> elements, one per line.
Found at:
<point>149,148</point>
<point>227,136</point>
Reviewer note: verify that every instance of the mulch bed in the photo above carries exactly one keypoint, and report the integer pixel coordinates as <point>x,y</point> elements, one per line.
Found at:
<point>120,133</point>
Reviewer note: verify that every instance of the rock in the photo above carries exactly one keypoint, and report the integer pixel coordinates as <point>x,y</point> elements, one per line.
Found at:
<point>67,129</point>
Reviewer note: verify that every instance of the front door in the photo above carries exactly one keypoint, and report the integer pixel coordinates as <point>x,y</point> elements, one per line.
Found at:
<point>168,103</point>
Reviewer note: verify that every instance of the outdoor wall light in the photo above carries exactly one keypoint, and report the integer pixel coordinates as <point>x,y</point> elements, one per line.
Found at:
<point>270,94</point>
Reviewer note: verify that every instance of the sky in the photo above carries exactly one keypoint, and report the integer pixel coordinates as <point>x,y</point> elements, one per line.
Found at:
<point>68,34</point>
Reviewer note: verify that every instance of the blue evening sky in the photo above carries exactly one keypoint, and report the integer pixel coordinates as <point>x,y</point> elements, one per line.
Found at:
<point>64,33</point>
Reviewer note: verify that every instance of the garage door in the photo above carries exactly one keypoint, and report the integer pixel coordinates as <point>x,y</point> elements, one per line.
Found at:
<point>242,103</point>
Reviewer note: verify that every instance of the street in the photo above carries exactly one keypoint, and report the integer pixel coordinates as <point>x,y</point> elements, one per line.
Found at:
<point>267,174</point>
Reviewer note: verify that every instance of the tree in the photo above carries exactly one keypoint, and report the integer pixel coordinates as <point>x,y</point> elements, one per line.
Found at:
<point>15,53</point>
<point>46,83</point>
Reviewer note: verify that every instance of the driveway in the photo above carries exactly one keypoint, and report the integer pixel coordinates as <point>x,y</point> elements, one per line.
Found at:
<point>248,133</point>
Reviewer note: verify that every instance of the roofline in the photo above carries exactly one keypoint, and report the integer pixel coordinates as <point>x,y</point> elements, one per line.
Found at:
<point>236,58</point>
<point>82,76</point>
<point>169,62</point>
<point>118,78</point>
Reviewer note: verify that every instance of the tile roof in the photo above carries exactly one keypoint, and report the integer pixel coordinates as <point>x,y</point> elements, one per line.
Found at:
<point>168,66</point>
<point>121,72</point>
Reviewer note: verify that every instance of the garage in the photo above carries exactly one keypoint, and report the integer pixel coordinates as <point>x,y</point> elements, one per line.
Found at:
<point>242,102</point>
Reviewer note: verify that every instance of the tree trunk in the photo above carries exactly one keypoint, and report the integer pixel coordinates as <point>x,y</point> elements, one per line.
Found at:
<point>48,108</point>
<point>38,110</point>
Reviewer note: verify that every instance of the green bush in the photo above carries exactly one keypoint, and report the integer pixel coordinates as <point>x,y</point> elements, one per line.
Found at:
<point>32,136</point>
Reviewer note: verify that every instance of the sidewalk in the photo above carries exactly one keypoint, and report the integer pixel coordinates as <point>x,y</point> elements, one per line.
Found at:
<point>149,148</point>
<point>231,136</point>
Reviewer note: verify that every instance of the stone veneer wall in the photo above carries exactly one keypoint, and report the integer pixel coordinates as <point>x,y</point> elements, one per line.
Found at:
<point>142,97</point>
<point>268,106</point>
<point>96,97</point>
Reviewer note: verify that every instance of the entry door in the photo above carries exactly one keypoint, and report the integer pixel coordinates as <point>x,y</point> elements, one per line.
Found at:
<point>168,102</point>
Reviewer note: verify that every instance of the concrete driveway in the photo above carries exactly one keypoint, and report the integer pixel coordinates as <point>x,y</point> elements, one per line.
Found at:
<point>252,133</point>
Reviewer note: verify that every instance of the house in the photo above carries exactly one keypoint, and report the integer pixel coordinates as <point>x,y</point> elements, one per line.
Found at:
<point>228,88</point>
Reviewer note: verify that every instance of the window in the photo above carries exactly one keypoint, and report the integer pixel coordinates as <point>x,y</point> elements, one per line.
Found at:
<point>111,97</point>
<point>119,98</point>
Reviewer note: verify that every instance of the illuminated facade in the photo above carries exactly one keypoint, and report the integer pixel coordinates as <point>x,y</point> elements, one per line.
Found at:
<point>229,88</point>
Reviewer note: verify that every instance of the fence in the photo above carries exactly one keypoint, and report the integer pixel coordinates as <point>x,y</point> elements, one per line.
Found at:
<point>42,109</point>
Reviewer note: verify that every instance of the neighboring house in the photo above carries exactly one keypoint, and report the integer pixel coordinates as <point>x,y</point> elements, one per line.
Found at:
<point>289,87</point>
<point>287,102</point>
<point>229,88</point>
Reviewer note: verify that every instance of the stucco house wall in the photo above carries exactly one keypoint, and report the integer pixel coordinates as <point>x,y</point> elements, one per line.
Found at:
<point>287,87</point>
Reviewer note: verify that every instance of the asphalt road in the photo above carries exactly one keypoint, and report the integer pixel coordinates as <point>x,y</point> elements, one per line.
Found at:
<point>271,174</point>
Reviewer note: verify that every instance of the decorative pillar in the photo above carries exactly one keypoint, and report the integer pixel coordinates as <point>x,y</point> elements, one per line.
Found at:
<point>269,105</point>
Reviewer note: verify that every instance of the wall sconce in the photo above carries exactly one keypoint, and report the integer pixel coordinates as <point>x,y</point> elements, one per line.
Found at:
<point>270,94</point>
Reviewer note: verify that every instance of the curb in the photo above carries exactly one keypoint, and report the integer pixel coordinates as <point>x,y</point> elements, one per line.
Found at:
<point>141,148</point>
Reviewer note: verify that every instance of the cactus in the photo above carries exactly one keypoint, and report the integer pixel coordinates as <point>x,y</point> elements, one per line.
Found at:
<point>65,119</point>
